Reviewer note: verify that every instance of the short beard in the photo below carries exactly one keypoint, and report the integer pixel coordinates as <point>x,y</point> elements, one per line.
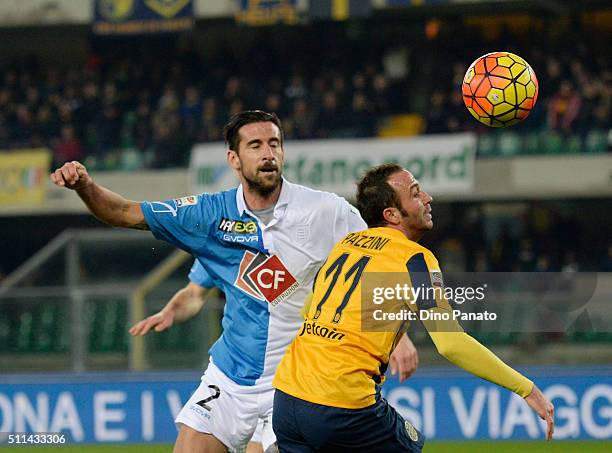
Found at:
<point>259,188</point>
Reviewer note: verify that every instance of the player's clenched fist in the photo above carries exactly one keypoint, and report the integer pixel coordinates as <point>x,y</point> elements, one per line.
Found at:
<point>72,175</point>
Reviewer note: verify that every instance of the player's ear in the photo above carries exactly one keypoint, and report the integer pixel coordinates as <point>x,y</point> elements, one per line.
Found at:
<point>392,216</point>
<point>233,160</point>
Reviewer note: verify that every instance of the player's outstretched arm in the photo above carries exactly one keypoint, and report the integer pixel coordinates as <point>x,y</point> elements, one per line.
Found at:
<point>466,352</point>
<point>106,205</point>
<point>184,305</point>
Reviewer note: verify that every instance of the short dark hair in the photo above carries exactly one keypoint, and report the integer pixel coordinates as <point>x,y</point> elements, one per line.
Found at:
<point>230,130</point>
<point>375,194</point>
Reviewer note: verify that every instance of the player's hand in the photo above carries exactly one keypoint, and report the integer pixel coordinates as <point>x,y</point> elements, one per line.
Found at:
<point>72,175</point>
<point>159,322</point>
<point>544,408</point>
<point>404,359</point>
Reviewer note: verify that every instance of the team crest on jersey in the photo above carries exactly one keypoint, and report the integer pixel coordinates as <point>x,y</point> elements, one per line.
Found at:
<point>411,431</point>
<point>186,201</point>
<point>265,277</point>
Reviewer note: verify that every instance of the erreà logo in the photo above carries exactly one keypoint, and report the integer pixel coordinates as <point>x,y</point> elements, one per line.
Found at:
<point>265,278</point>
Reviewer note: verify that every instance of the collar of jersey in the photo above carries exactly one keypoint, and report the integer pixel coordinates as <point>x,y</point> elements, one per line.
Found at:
<point>282,202</point>
<point>392,232</point>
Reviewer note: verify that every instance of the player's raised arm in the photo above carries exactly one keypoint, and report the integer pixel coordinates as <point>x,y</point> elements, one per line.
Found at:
<point>106,205</point>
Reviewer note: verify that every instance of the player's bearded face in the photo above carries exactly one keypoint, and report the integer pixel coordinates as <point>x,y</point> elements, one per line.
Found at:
<point>418,217</point>
<point>264,178</point>
<point>260,157</point>
<point>415,204</point>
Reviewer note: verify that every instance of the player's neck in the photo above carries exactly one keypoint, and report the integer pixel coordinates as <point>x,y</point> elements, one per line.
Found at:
<point>414,236</point>
<point>255,200</point>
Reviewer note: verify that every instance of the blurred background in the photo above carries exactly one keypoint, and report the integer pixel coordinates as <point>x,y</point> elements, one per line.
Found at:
<point>140,90</point>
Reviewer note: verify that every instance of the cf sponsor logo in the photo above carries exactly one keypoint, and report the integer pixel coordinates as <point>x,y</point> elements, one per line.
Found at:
<point>265,278</point>
<point>312,328</point>
<point>237,226</point>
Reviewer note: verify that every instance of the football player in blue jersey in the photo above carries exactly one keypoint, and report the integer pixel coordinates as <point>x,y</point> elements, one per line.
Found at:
<point>184,305</point>
<point>262,244</point>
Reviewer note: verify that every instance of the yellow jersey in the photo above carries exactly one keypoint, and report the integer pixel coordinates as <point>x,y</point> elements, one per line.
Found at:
<point>341,352</point>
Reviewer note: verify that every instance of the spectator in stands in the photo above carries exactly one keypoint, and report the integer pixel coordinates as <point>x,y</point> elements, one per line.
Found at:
<point>296,88</point>
<point>302,120</point>
<point>142,125</point>
<point>361,120</point>
<point>166,123</point>
<point>563,108</point>
<point>330,118</point>
<point>191,112</point>
<point>45,125</point>
<point>274,103</point>
<point>570,263</point>
<point>90,105</point>
<point>68,147</point>
<point>210,127</point>
<point>436,113</point>
<point>455,113</point>
<point>503,250</point>
<point>23,127</point>
<point>380,95</point>
<point>117,101</point>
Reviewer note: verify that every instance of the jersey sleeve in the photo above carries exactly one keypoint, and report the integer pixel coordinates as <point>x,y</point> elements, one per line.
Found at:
<point>185,222</point>
<point>426,277</point>
<point>466,352</point>
<point>448,336</point>
<point>200,276</point>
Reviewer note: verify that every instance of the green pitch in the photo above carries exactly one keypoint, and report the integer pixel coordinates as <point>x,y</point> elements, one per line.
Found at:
<point>430,447</point>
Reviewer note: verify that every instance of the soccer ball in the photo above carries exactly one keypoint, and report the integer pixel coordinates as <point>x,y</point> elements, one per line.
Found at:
<point>500,89</point>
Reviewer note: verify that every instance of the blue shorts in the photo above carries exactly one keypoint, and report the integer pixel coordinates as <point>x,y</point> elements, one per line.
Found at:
<point>302,427</point>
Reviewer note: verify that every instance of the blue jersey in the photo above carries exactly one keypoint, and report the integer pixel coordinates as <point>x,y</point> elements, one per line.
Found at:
<point>199,276</point>
<point>265,271</point>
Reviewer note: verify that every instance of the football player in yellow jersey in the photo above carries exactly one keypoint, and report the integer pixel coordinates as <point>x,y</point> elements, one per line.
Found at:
<point>328,383</point>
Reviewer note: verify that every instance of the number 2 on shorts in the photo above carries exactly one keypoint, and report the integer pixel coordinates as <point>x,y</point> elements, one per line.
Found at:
<point>214,396</point>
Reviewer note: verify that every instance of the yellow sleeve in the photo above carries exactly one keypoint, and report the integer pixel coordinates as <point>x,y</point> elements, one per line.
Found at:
<point>464,351</point>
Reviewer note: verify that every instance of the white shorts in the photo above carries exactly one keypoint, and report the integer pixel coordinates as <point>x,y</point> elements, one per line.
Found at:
<point>229,411</point>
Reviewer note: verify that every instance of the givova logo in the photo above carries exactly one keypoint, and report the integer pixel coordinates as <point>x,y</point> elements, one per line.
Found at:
<point>265,278</point>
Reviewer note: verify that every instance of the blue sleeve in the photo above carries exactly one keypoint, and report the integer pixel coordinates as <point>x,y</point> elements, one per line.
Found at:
<point>185,222</point>
<point>200,276</point>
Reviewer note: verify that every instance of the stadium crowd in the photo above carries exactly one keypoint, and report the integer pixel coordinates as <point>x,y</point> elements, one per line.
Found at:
<point>528,237</point>
<point>146,109</point>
